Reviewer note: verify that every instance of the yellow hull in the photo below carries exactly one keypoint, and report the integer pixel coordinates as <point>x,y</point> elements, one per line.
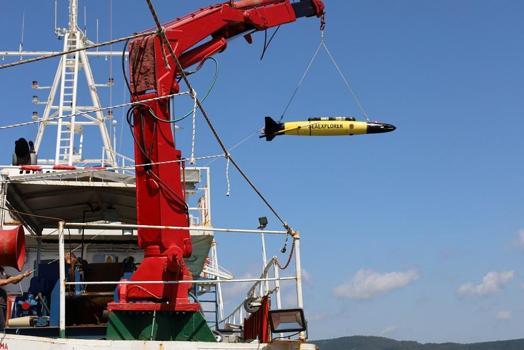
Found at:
<point>325,128</point>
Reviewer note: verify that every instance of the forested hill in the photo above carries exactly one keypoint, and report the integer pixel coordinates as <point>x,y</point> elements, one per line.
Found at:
<point>379,343</point>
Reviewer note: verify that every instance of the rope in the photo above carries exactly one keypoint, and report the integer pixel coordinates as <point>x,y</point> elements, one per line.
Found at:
<point>238,144</point>
<point>162,34</point>
<point>11,126</point>
<point>228,181</point>
<point>194,97</point>
<point>94,46</point>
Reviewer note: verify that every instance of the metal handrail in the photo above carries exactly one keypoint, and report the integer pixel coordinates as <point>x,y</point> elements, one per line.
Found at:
<point>262,284</point>
<point>238,313</point>
<point>188,228</point>
<point>239,280</point>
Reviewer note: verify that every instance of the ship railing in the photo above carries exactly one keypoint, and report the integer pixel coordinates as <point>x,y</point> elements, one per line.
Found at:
<point>267,284</point>
<point>125,164</point>
<point>259,288</point>
<point>200,212</point>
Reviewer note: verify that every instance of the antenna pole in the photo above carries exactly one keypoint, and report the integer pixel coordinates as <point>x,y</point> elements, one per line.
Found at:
<point>85,19</point>
<point>97,38</point>
<point>56,17</point>
<point>73,15</point>
<point>21,44</point>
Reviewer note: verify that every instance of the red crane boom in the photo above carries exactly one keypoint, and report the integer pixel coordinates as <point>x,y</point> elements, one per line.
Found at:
<point>159,190</point>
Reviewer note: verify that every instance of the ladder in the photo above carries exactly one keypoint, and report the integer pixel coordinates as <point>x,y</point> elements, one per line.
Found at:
<point>68,100</point>
<point>209,304</point>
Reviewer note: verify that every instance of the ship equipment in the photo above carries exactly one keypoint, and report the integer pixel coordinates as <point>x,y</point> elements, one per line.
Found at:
<point>164,310</point>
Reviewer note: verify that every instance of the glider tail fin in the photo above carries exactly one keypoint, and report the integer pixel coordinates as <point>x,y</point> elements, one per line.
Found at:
<point>271,128</point>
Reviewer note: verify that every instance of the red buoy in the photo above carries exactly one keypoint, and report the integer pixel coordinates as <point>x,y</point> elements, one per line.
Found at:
<point>12,247</point>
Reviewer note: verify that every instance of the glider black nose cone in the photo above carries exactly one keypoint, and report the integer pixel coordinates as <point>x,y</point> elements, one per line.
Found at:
<point>378,128</point>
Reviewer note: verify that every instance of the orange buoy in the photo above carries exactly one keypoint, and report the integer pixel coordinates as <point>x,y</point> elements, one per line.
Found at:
<point>12,247</point>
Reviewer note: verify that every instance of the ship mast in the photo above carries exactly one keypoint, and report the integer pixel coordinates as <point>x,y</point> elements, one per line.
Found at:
<point>63,99</point>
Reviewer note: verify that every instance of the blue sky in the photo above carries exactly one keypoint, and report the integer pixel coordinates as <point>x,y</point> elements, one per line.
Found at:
<point>413,234</point>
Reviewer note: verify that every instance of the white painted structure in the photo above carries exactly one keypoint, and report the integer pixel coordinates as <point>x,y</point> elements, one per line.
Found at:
<point>14,342</point>
<point>63,99</point>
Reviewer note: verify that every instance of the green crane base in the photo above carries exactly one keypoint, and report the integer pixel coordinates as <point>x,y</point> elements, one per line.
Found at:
<point>139,325</point>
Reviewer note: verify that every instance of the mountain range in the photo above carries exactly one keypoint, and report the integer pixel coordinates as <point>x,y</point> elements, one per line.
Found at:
<point>379,343</point>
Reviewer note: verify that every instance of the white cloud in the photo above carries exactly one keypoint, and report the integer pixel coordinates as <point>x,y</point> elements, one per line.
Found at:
<point>520,238</point>
<point>317,316</point>
<point>306,277</point>
<point>388,330</point>
<point>367,284</point>
<point>237,291</point>
<point>504,315</point>
<point>491,283</point>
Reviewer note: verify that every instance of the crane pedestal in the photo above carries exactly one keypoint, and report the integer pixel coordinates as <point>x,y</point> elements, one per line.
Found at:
<point>158,325</point>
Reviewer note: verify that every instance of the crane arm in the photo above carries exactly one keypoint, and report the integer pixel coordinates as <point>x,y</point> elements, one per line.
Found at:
<point>152,68</point>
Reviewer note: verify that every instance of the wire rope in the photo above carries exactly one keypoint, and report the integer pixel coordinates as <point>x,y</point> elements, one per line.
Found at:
<point>238,144</point>
<point>301,81</point>
<point>193,136</point>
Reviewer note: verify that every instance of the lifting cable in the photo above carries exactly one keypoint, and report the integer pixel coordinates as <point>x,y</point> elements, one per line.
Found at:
<point>346,81</point>
<point>228,156</point>
<point>301,79</point>
<point>323,45</point>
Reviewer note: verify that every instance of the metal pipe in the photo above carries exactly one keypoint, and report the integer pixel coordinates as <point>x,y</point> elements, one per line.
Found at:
<point>208,194</point>
<point>190,228</point>
<point>3,195</point>
<point>264,261</point>
<point>243,280</point>
<point>298,272</point>
<point>277,286</point>
<point>219,286</point>
<point>38,254</point>
<point>277,290</point>
<point>61,264</point>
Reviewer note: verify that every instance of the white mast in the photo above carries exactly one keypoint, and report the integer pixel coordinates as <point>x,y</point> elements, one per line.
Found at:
<point>63,99</point>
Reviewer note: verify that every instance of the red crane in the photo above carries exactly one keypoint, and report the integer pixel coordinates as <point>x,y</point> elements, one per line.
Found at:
<point>159,190</point>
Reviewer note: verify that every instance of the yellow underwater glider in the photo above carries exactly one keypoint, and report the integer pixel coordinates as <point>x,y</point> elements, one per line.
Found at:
<point>333,126</point>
